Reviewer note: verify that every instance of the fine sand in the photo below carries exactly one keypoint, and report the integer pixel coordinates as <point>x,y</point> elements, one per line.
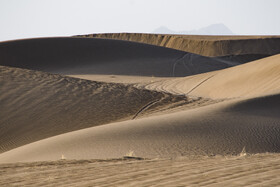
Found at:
<point>250,170</point>
<point>146,114</point>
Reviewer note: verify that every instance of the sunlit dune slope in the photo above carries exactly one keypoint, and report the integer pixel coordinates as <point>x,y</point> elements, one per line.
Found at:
<point>104,56</point>
<point>253,79</point>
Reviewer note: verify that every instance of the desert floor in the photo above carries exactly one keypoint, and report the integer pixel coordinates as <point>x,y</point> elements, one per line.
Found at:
<point>254,170</point>
<point>140,110</point>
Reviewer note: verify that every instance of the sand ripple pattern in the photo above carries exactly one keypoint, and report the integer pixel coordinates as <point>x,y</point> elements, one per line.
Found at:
<point>254,170</point>
<point>37,105</point>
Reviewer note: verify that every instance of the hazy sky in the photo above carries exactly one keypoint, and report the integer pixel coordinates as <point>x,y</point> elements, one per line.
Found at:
<point>39,18</point>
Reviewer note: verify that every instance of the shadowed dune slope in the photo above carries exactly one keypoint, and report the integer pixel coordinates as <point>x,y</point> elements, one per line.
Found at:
<point>255,78</point>
<point>241,59</point>
<point>252,46</point>
<point>104,56</point>
<point>37,105</point>
<point>219,129</point>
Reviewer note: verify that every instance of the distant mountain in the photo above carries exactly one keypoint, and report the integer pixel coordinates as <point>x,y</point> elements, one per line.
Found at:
<point>164,30</point>
<point>215,29</point>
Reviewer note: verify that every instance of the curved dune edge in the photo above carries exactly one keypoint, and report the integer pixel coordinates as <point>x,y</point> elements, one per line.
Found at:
<point>218,129</point>
<point>83,56</point>
<point>253,79</point>
<point>37,105</point>
<point>203,45</point>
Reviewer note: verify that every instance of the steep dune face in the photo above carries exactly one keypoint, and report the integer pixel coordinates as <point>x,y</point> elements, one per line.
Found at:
<point>216,129</point>
<point>253,79</point>
<point>103,56</point>
<point>205,45</point>
<point>37,105</point>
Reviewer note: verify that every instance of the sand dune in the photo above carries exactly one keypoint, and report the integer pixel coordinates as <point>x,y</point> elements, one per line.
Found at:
<point>189,116</point>
<point>37,105</point>
<point>33,98</point>
<point>219,129</point>
<point>78,56</point>
<point>204,45</point>
<point>253,79</point>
